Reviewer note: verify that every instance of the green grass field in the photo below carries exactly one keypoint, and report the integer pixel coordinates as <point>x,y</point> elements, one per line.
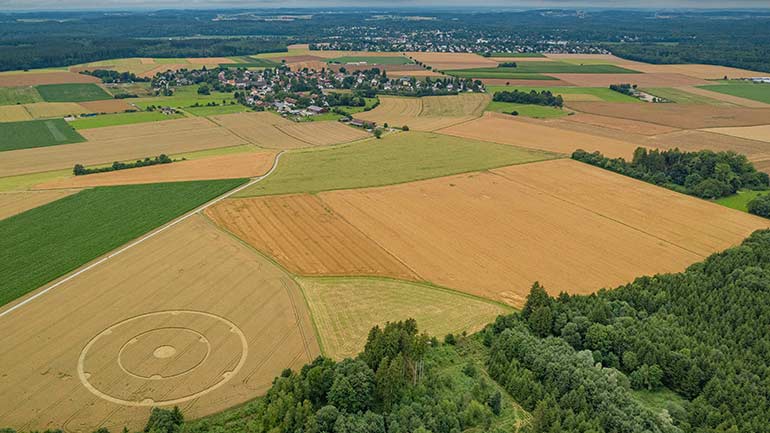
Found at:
<point>756,92</point>
<point>680,96</point>
<point>344,309</point>
<point>372,60</point>
<point>513,55</point>
<point>184,97</point>
<point>44,243</point>
<point>74,92</point>
<point>741,199</point>
<point>527,110</point>
<point>603,93</point>
<point>396,158</point>
<point>659,400</point>
<point>36,133</point>
<point>121,119</point>
<point>216,110</point>
<point>19,95</point>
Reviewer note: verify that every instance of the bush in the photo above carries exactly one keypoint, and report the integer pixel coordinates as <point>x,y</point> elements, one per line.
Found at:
<point>760,206</point>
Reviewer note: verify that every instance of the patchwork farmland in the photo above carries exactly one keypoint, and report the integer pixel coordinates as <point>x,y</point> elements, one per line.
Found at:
<point>274,233</point>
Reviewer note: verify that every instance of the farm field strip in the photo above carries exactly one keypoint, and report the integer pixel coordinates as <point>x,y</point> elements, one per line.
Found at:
<point>642,80</point>
<point>191,284</point>
<point>72,92</point>
<point>260,128</point>
<point>12,203</point>
<point>346,308</point>
<point>507,130</point>
<point>396,158</point>
<point>494,234</point>
<point>36,134</point>
<point>726,98</point>
<point>684,95</point>
<point>755,92</point>
<point>449,61</point>
<point>33,79</point>
<point>758,133</point>
<point>323,132</point>
<point>626,125</point>
<point>428,113</point>
<point>570,93</point>
<point>19,95</point>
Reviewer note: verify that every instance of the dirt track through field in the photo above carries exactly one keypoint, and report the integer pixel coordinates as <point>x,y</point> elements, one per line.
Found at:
<point>570,226</point>
<point>213,320</point>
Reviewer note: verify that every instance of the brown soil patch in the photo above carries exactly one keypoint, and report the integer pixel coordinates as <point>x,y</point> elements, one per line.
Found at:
<point>213,320</point>
<point>684,116</point>
<point>632,126</point>
<point>571,226</point>
<point>758,133</point>
<point>12,203</point>
<point>737,100</point>
<point>323,133</point>
<point>533,83</point>
<point>448,61</point>
<point>107,106</point>
<point>14,113</point>
<point>428,113</point>
<point>121,143</point>
<point>507,130</point>
<point>260,128</point>
<point>35,78</point>
<point>306,237</point>
<point>643,80</point>
<point>241,165</point>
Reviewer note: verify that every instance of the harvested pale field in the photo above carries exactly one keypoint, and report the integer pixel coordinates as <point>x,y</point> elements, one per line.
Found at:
<point>609,58</point>
<point>695,140</point>
<point>304,236</point>
<point>642,80</point>
<point>632,126</point>
<point>415,73</point>
<point>14,113</point>
<point>191,317</point>
<point>706,72</point>
<point>107,106</point>
<point>260,128</point>
<point>448,61</point>
<point>570,226</point>
<point>300,59</point>
<point>208,60</point>
<point>533,83</point>
<point>323,132</point>
<point>12,203</point>
<point>732,99</point>
<point>345,310</point>
<point>43,110</point>
<point>146,61</point>
<point>763,165</point>
<point>121,143</point>
<point>241,165</point>
<point>33,79</point>
<point>313,64</point>
<point>428,113</point>
<point>506,129</point>
<point>684,116</point>
<point>758,133</point>
<point>521,59</point>
<point>163,68</point>
<point>596,130</point>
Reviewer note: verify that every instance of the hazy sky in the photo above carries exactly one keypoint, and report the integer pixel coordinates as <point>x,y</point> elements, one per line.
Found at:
<point>213,4</point>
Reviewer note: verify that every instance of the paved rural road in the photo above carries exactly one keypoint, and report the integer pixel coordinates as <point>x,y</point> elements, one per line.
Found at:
<point>144,238</point>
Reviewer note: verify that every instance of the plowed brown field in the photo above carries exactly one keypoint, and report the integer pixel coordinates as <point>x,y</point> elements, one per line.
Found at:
<point>505,129</point>
<point>192,317</point>
<point>685,116</point>
<point>305,237</point>
<point>571,226</point>
<point>633,126</point>
<point>12,203</point>
<point>107,106</point>
<point>120,143</point>
<point>35,78</point>
<point>240,165</point>
<point>323,133</point>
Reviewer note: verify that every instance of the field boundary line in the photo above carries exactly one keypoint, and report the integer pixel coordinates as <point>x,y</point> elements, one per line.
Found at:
<point>150,235</point>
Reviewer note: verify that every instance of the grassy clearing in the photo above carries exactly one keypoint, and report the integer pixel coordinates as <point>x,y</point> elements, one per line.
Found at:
<point>184,97</point>
<point>19,95</point>
<point>344,309</point>
<point>36,133</point>
<point>372,60</point>
<point>120,119</point>
<point>657,401</point>
<point>498,54</point>
<point>527,110</point>
<point>216,110</point>
<point>49,241</point>
<point>756,92</point>
<point>603,93</point>
<point>73,92</point>
<point>396,158</point>
<point>740,200</point>
<point>680,96</point>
